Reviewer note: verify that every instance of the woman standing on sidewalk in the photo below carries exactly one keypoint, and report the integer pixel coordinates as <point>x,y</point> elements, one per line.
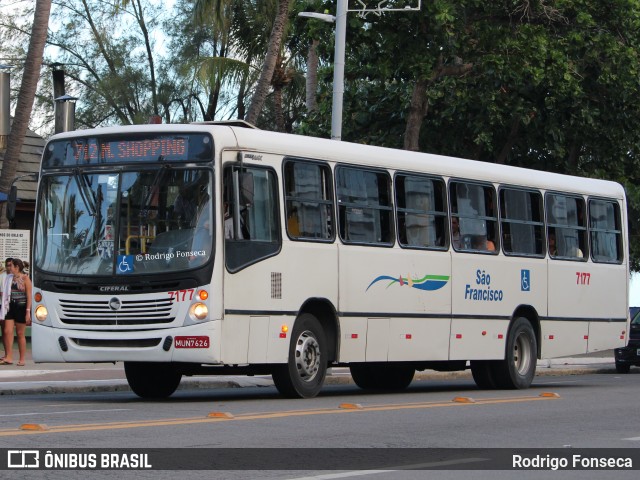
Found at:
<point>19,313</point>
<point>5,291</point>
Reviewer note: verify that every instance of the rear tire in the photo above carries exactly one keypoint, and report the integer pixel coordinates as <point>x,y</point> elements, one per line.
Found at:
<point>482,372</point>
<point>152,380</point>
<point>304,373</point>
<point>382,377</point>
<point>518,368</point>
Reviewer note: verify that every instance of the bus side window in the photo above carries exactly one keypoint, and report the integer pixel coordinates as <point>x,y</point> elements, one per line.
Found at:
<point>421,211</point>
<point>308,200</point>
<point>474,206</point>
<point>605,230</point>
<point>566,226</point>
<point>251,226</point>
<point>364,206</point>
<point>522,221</point>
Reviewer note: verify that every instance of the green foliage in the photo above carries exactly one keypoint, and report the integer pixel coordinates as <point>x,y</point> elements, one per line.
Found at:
<point>554,85</point>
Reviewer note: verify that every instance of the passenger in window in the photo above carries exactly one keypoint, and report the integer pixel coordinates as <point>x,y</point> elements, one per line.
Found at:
<point>576,252</point>
<point>553,250</point>
<point>293,224</point>
<point>456,237</point>
<point>491,246</point>
<point>480,242</point>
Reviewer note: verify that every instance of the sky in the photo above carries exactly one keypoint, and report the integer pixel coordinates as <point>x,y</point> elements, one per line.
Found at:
<point>634,290</point>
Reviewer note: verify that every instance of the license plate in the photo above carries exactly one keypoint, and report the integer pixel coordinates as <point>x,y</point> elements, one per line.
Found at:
<point>192,342</point>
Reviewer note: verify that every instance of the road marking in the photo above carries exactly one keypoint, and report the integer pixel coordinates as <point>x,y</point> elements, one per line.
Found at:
<point>556,382</point>
<point>419,466</point>
<point>27,414</point>
<point>268,415</point>
<point>632,439</point>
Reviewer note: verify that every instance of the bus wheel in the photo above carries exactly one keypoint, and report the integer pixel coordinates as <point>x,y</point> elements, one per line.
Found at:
<point>517,370</point>
<point>482,372</point>
<point>382,377</point>
<point>303,375</point>
<point>152,380</point>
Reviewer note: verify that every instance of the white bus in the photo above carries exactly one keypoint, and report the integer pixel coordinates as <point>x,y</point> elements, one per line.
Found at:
<point>223,249</point>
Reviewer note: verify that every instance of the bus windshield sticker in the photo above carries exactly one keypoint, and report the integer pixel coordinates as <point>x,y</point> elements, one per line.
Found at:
<point>125,264</point>
<point>428,282</point>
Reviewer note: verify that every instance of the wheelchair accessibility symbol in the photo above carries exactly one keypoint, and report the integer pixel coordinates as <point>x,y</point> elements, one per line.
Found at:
<point>525,280</point>
<point>125,264</point>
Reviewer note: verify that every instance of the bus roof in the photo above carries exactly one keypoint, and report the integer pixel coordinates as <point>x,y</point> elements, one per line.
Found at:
<point>234,135</point>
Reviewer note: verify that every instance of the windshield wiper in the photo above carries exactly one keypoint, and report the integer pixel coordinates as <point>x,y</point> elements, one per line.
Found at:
<point>157,180</point>
<point>85,191</point>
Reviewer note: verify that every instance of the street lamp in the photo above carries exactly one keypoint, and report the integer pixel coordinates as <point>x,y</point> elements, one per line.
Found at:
<point>5,80</point>
<point>340,20</point>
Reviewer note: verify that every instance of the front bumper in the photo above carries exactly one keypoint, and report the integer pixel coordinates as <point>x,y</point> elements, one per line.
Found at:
<point>629,355</point>
<point>67,345</point>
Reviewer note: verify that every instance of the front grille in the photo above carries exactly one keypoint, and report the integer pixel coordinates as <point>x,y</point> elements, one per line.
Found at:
<point>132,312</point>
<point>135,343</point>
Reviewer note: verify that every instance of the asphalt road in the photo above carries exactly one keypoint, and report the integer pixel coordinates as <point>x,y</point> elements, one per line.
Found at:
<point>563,411</point>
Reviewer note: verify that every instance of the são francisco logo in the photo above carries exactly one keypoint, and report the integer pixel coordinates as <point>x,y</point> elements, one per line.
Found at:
<point>428,282</point>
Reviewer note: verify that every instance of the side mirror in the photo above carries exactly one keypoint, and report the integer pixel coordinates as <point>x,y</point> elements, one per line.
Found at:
<point>11,203</point>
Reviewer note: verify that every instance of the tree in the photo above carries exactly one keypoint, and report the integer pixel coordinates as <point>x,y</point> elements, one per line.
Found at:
<point>26,96</point>
<point>270,61</point>
<point>545,85</point>
<point>114,64</point>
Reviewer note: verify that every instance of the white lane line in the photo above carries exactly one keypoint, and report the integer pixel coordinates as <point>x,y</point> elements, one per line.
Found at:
<point>632,439</point>
<point>537,382</point>
<point>52,382</point>
<point>28,414</point>
<point>418,466</point>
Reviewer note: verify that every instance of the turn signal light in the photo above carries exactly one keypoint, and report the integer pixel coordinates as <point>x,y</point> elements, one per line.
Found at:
<point>38,297</point>
<point>203,295</point>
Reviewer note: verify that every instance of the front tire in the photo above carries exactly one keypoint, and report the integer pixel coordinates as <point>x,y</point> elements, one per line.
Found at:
<point>304,373</point>
<point>518,368</point>
<point>152,380</point>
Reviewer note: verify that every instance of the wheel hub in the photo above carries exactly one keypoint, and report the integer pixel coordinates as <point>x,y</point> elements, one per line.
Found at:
<point>307,356</point>
<point>522,354</point>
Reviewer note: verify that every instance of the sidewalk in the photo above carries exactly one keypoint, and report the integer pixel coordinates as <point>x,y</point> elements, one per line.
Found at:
<point>107,377</point>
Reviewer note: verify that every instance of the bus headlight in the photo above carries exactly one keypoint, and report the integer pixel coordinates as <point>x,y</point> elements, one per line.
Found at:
<point>198,311</point>
<point>41,313</point>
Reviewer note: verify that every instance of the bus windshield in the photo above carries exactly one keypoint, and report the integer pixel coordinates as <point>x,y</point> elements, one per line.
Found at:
<point>124,222</point>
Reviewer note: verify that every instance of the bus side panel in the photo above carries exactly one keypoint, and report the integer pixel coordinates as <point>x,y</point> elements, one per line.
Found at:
<point>353,341</point>
<point>606,335</point>
<point>487,290</point>
<point>414,339</point>
<point>235,339</point>
<point>579,292</point>
<point>562,338</point>
<point>607,287</point>
<point>406,297</point>
<point>377,340</point>
<point>269,294</point>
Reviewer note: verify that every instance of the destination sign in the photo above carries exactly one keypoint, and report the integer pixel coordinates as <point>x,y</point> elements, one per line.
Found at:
<point>150,148</point>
